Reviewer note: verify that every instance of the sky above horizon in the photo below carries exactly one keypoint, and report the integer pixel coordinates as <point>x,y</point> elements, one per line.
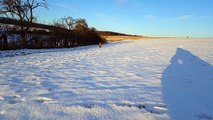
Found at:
<point>179,18</point>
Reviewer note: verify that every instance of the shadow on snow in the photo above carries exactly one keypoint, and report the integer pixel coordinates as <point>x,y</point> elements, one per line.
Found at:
<point>187,87</point>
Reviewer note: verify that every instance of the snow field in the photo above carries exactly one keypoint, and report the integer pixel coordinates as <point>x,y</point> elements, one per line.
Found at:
<point>122,80</point>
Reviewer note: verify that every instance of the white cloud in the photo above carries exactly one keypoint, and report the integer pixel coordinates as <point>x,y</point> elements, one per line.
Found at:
<point>150,17</point>
<point>121,2</point>
<point>190,17</point>
<point>185,17</point>
<point>205,17</point>
<point>63,5</point>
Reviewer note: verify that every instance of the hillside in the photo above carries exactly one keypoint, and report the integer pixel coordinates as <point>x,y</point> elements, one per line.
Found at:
<point>109,33</point>
<point>111,36</point>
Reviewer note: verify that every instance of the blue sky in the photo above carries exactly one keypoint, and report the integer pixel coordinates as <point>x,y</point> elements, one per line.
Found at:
<point>143,17</point>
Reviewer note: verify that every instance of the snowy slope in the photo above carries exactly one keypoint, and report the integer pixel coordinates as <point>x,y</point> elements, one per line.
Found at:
<point>141,80</point>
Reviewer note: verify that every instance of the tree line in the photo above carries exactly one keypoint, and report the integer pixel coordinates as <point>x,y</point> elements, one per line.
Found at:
<point>17,19</point>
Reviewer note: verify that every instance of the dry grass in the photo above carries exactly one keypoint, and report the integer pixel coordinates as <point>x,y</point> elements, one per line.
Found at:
<point>114,38</point>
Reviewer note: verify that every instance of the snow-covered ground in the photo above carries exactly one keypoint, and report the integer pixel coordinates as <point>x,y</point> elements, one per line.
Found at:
<point>131,80</point>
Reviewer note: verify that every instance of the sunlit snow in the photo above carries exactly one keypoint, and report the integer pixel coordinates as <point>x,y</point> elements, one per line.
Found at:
<point>142,80</point>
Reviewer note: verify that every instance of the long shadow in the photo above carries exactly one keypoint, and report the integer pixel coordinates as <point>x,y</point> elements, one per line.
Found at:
<point>188,87</point>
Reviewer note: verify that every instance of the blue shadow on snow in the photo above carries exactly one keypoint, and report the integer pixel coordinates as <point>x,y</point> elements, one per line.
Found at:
<point>187,86</point>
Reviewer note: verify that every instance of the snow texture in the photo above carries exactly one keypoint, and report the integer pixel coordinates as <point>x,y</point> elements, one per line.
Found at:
<point>130,80</point>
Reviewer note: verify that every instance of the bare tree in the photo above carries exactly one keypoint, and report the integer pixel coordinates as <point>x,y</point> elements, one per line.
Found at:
<point>14,9</point>
<point>81,25</point>
<point>69,22</point>
<point>31,5</point>
<point>66,22</point>
<point>21,10</point>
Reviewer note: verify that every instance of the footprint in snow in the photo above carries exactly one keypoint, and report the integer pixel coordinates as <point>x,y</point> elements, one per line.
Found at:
<point>13,99</point>
<point>88,106</point>
<point>139,106</point>
<point>155,109</point>
<point>2,112</point>
<point>21,90</point>
<point>43,99</point>
<point>1,98</point>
